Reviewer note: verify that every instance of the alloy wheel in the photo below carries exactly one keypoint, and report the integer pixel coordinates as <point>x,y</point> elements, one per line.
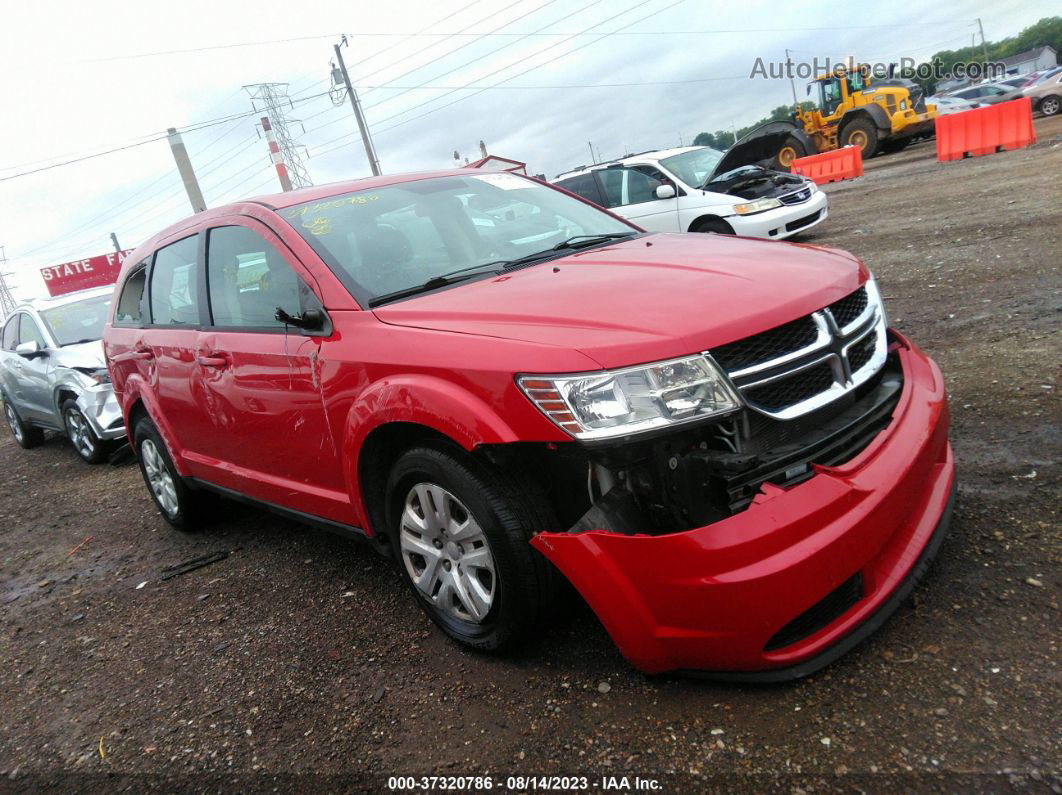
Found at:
<point>80,434</point>
<point>158,476</point>
<point>447,554</point>
<point>13,422</point>
<point>1049,107</point>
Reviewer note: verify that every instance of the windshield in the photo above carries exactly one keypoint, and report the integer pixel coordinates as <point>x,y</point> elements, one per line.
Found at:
<point>389,239</point>
<point>81,321</point>
<point>695,166</point>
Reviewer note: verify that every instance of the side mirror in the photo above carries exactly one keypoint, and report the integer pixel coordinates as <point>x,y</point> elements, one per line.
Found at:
<point>310,320</point>
<point>665,191</point>
<point>29,350</point>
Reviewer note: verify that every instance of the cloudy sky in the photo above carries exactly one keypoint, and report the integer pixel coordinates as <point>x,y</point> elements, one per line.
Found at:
<point>535,79</point>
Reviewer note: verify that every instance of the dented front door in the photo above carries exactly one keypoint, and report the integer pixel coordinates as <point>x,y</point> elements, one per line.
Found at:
<point>261,382</point>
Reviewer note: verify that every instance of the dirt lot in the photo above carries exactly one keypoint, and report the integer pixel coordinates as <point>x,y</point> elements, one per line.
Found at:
<point>299,660</point>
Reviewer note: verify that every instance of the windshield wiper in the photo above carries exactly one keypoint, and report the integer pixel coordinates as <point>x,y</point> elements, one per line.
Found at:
<point>574,242</point>
<point>435,282</point>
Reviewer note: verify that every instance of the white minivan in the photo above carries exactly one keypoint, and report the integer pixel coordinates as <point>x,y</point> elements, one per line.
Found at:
<point>695,189</point>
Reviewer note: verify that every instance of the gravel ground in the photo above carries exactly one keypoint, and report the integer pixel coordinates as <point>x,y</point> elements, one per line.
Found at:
<point>298,660</point>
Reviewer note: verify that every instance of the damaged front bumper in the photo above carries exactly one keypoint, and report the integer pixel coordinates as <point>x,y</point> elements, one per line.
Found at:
<point>782,588</point>
<point>100,407</point>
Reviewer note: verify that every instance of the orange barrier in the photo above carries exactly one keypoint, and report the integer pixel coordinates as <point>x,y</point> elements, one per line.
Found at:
<point>843,163</point>
<point>985,131</point>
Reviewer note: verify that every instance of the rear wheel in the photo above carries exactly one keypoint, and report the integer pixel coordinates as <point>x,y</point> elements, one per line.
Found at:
<point>862,133</point>
<point>82,437</point>
<point>717,225</point>
<point>178,504</point>
<point>460,533</point>
<point>25,434</point>
<point>1049,106</point>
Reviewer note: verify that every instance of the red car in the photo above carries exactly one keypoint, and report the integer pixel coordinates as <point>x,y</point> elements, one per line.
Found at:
<point>718,441</point>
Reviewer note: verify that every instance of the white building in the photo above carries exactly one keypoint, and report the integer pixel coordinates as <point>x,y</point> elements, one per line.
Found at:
<point>1034,60</point>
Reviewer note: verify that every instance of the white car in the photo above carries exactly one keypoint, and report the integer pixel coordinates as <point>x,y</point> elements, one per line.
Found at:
<point>698,189</point>
<point>947,105</point>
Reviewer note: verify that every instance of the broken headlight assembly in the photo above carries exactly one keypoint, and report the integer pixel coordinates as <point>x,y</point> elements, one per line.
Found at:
<point>614,403</point>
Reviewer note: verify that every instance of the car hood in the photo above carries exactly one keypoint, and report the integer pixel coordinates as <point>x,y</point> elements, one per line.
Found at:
<point>645,299</point>
<point>759,147</point>
<point>755,182</point>
<point>84,354</point>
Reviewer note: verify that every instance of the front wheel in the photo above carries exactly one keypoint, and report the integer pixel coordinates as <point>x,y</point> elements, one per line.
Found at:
<point>864,134</point>
<point>1050,106</point>
<point>790,151</point>
<point>91,449</point>
<point>460,533</point>
<point>25,434</point>
<point>717,225</point>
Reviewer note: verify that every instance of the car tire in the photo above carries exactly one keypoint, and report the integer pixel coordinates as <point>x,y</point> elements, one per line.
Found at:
<point>789,151</point>
<point>717,225</point>
<point>178,504</point>
<point>90,447</point>
<point>25,434</point>
<point>460,531</point>
<point>1050,105</point>
<point>865,136</point>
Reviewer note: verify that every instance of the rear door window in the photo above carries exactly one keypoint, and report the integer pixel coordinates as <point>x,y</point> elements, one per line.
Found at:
<point>174,293</point>
<point>248,279</point>
<point>624,186</point>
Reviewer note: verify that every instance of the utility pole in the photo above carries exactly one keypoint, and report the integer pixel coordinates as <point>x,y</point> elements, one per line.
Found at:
<point>366,138</point>
<point>984,47</point>
<point>275,155</point>
<point>792,85</point>
<point>273,100</point>
<point>184,166</point>
<point>114,240</point>
<point>591,145</point>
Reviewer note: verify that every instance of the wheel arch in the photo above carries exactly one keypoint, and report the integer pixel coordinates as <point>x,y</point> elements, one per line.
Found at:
<point>396,413</point>
<point>875,113</point>
<point>700,219</point>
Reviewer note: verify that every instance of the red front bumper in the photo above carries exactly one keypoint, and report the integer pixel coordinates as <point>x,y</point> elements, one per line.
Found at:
<point>711,598</point>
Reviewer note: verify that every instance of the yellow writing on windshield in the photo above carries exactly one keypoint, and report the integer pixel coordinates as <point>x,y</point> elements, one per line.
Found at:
<point>331,204</point>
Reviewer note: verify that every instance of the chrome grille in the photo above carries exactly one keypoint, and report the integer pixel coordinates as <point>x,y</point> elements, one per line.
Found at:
<point>798,367</point>
<point>796,197</point>
<point>850,307</point>
<point>767,345</point>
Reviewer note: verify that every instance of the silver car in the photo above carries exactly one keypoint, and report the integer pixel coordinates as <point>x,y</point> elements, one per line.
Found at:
<point>53,375</point>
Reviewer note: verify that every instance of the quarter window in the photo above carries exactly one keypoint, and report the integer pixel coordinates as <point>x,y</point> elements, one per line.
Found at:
<point>174,294</point>
<point>28,331</point>
<point>583,185</point>
<point>248,280</point>
<point>129,304</point>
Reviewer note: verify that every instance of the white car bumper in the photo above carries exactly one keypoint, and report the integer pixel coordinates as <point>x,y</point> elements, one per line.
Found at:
<point>782,222</point>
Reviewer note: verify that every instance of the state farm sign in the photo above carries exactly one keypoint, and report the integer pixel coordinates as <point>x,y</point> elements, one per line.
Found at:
<point>84,273</point>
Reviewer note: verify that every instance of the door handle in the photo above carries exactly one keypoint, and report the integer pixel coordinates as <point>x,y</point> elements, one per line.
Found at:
<point>213,361</point>
<point>142,353</point>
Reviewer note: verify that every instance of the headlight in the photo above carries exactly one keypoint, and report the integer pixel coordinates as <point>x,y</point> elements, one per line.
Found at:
<point>620,402</point>
<point>98,375</point>
<point>811,184</point>
<point>757,206</point>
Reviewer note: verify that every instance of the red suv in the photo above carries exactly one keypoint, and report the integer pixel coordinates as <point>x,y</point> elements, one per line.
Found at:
<point>716,440</point>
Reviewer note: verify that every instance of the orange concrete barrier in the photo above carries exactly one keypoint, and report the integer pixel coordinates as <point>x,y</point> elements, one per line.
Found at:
<point>843,163</point>
<point>985,131</point>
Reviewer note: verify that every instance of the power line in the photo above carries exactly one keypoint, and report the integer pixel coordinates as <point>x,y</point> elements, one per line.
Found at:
<point>526,71</point>
<point>158,137</point>
<point>205,48</point>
